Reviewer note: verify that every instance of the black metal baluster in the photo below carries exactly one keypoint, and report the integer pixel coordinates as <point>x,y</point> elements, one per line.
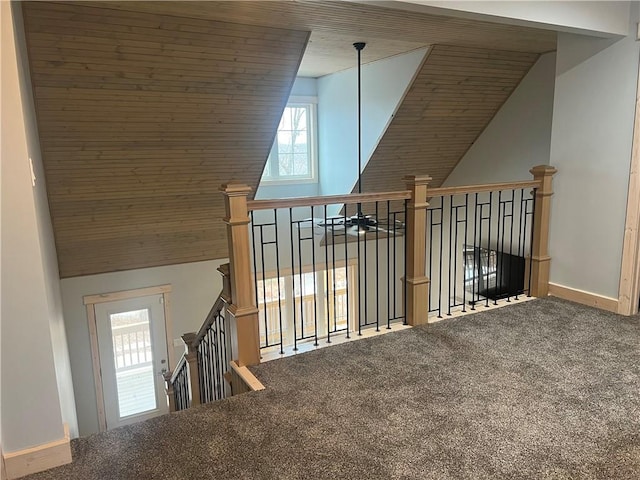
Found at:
<point>524,236</point>
<point>333,271</point>
<point>404,274</point>
<point>216,354</point>
<point>204,395</point>
<point>346,268</point>
<point>366,278</point>
<point>533,218</point>
<point>203,372</point>
<point>212,365</point>
<point>451,260</point>
<point>293,278</point>
<point>429,240</point>
<point>377,296</point>
<point>510,202</point>
<point>440,258</point>
<point>389,263</point>
<point>301,285</point>
<point>275,227</point>
<point>489,248</point>
<point>326,270</point>
<point>499,251</point>
<point>264,288</point>
<point>359,275</point>
<point>395,262</point>
<point>464,252</point>
<point>223,334</point>
<point>201,377</point>
<point>315,286</point>
<point>477,269</point>
<point>255,267</point>
<point>521,250</point>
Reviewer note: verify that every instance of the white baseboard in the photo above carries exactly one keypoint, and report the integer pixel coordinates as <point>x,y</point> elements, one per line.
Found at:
<point>585,298</point>
<point>37,459</point>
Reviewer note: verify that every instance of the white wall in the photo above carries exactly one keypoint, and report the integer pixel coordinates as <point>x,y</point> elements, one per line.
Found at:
<point>603,18</point>
<point>31,404</point>
<point>305,87</point>
<point>195,287</point>
<point>519,135</point>
<point>47,242</point>
<point>591,147</point>
<point>383,86</point>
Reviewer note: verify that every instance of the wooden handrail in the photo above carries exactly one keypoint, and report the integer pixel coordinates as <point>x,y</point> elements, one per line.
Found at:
<point>215,310</point>
<point>328,200</point>
<point>353,198</point>
<point>179,366</point>
<point>490,187</point>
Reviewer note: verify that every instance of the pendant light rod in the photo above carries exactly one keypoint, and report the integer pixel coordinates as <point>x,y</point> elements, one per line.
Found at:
<point>359,46</point>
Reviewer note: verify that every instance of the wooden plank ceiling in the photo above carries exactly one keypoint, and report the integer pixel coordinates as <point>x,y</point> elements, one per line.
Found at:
<point>141,118</point>
<point>451,101</point>
<point>359,21</point>
<point>145,108</point>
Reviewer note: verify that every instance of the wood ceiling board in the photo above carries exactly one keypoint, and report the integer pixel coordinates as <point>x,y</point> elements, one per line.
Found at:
<point>352,19</point>
<point>335,27</point>
<point>329,52</point>
<point>141,118</point>
<point>444,111</point>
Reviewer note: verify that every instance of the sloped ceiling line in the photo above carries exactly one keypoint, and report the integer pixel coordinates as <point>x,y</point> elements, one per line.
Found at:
<point>141,118</point>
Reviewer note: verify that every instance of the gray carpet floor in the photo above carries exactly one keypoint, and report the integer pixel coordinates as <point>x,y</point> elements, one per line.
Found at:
<point>542,389</point>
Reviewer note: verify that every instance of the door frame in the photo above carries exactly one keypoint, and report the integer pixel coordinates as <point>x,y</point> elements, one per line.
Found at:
<point>90,302</point>
<point>629,288</point>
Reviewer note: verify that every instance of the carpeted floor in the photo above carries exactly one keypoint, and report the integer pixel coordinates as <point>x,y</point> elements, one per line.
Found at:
<point>542,389</point>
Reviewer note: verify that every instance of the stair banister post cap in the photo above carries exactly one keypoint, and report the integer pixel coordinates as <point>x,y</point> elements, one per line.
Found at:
<point>543,170</point>
<point>233,188</point>
<point>417,179</point>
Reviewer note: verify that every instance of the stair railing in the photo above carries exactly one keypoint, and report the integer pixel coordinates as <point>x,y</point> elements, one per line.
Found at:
<point>199,376</point>
<point>212,354</point>
<point>428,220</point>
<point>420,220</point>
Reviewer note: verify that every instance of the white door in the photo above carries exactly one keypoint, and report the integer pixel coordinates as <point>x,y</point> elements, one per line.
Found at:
<point>133,355</point>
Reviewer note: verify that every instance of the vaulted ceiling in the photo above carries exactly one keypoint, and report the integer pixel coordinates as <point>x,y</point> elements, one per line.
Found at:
<point>452,99</point>
<point>141,118</point>
<point>145,108</point>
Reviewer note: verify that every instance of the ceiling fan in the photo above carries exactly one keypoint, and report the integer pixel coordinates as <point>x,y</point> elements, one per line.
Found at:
<point>360,223</point>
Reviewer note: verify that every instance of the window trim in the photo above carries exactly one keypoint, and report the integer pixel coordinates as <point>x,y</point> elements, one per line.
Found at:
<point>312,130</point>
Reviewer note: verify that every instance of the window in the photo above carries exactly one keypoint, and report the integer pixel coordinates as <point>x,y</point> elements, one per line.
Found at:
<point>324,293</point>
<point>293,154</point>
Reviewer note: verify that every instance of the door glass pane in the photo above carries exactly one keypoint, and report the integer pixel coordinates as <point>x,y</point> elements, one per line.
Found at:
<point>133,359</point>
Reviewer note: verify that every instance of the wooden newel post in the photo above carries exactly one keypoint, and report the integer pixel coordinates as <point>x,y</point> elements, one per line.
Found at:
<point>169,389</point>
<point>243,308</point>
<point>540,259</point>
<point>417,283</point>
<point>226,282</point>
<point>194,369</point>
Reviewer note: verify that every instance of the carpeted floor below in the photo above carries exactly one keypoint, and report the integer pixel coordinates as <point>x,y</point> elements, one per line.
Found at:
<point>541,389</point>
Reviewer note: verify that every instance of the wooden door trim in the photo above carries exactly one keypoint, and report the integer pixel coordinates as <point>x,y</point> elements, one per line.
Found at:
<point>90,302</point>
<point>95,362</point>
<point>125,294</point>
<point>629,289</point>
